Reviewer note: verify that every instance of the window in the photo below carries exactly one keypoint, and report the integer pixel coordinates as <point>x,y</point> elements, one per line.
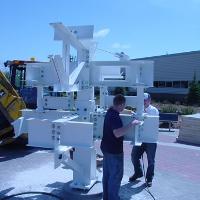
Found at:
<point>161,83</point>
<point>155,83</point>
<point>168,84</point>
<point>184,84</point>
<point>176,84</point>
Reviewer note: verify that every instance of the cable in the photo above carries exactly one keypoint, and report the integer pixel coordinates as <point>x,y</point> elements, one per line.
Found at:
<point>147,188</point>
<point>22,193</point>
<point>107,51</point>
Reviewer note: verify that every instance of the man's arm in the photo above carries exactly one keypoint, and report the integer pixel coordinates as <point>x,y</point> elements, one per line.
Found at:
<point>123,130</point>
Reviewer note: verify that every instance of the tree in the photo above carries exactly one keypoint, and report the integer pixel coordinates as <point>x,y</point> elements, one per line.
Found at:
<point>194,92</point>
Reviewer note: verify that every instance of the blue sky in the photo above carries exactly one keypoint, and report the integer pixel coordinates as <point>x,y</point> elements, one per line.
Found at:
<point>139,28</point>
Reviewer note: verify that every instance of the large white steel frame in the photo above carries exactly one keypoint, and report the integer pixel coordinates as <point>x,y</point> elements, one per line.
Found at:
<point>66,123</point>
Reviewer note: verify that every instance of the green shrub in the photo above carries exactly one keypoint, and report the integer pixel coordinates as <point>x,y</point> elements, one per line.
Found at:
<point>186,110</point>
<point>168,108</point>
<point>171,108</point>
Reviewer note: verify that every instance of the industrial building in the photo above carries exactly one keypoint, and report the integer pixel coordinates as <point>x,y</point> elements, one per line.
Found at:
<point>173,74</point>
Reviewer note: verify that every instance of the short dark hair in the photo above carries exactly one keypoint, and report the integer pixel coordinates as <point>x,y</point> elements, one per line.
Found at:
<point>119,99</point>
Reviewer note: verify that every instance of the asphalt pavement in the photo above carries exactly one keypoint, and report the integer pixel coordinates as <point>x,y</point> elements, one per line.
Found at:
<point>177,173</point>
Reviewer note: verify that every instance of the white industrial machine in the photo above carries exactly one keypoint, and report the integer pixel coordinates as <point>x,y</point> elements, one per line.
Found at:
<point>67,118</point>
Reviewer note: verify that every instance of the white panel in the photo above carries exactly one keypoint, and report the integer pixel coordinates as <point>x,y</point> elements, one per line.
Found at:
<point>75,133</point>
<point>75,73</point>
<point>47,74</point>
<point>64,33</point>
<point>61,153</point>
<point>62,80</point>
<point>85,107</point>
<point>146,69</point>
<point>40,133</point>
<point>40,73</point>
<point>33,74</point>
<point>121,73</point>
<point>98,119</point>
<point>47,114</point>
<point>86,159</point>
<point>149,130</point>
<point>19,126</point>
<point>87,94</point>
<point>57,102</point>
<point>126,119</point>
<point>82,32</point>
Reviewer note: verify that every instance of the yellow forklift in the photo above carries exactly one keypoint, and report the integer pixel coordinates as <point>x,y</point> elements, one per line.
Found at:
<point>14,96</point>
<point>10,109</point>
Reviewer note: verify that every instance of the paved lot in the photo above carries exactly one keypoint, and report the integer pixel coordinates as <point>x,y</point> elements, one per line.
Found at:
<point>177,174</point>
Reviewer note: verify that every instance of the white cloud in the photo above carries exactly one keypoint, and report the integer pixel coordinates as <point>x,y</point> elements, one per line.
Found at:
<point>117,45</point>
<point>102,33</point>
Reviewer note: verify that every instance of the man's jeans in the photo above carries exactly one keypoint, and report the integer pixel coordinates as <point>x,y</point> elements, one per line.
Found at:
<point>112,175</point>
<point>137,151</point>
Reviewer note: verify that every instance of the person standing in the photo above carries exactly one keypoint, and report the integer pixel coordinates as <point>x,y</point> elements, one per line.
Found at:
<point>112,148</point>
<point>149,148</point>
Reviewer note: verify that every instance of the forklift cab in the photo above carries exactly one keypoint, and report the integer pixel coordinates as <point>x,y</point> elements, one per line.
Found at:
<point>17,77</point>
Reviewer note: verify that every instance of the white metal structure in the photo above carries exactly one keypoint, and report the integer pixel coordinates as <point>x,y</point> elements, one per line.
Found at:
<point>66,123</point>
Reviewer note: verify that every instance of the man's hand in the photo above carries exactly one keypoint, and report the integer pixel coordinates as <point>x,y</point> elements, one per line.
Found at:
<point>135,122</point>
<point>126,111</point>
<point>122,131</point>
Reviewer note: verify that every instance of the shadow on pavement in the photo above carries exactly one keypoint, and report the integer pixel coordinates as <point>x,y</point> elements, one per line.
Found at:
<point>31,195</point>
<point>127,191</point>
<point>4,192</point>
<point>187,143</point>
<point>12,152</point>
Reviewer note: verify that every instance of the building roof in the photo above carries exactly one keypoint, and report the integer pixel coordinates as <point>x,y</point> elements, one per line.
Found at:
<point>169,55</point>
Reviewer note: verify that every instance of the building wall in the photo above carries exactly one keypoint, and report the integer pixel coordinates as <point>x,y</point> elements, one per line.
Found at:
<point>177,67</point>
<point>174,72</point>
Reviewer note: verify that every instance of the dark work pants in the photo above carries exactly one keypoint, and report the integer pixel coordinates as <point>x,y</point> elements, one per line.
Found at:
<point>112,175</point>
<point>137,152</point>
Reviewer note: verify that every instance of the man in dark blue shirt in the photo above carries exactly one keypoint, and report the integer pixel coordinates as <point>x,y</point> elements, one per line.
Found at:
<point>112,148</point>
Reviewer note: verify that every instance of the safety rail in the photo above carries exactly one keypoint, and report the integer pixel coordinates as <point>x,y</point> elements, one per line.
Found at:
<point>169,118</point>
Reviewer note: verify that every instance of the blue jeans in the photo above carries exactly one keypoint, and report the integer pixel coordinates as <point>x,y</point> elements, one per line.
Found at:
<point>137,152</point>
<point>112,175</point>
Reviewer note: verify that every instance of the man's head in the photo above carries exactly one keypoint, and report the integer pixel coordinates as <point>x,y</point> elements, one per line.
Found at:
<point>147,99</point>
<point>119,102</point>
